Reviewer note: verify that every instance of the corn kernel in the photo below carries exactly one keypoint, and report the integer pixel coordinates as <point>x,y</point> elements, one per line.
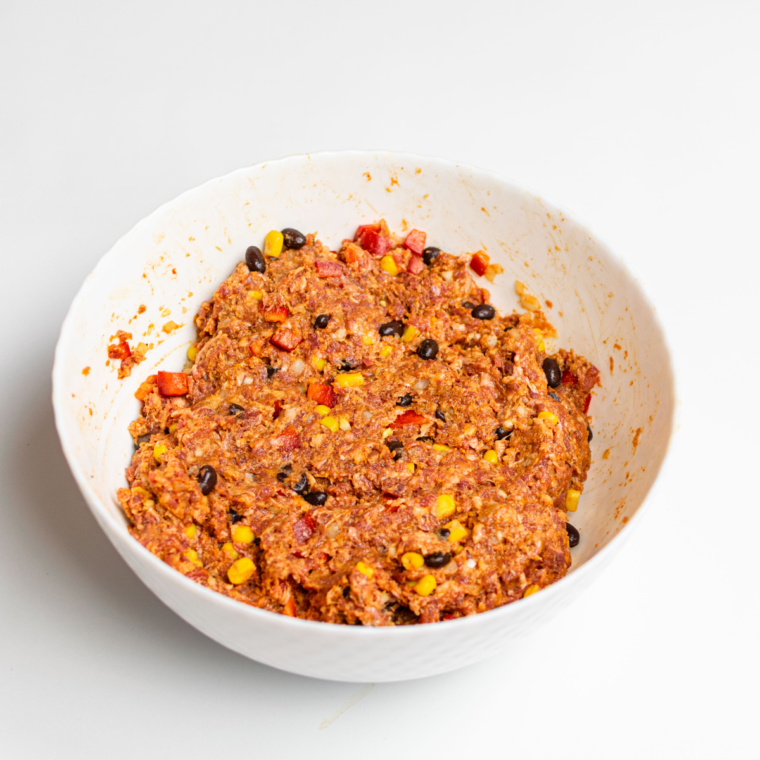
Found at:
<point>441,447</point>
<point>386,433</point>
<point>190,531</point>
<point>412,560</point>
<point>531,590</point>
<point>457,531</point>
<point>173,427</point>
<point>158,451</point>
<point>273,244</point>
<point>388,263</point>
<point>319,364</point>
<point>349,380</point>
<point>550,417</point>
<point>540,336</point>
<point>491,456</point>
<point>242,534</point>
<point>365,569</point>
<point>386,351</point>
<point>230,550</point>
<point>345,425</point>
<point>426,586</point>
<point>368,340</point>
<point>323,410</point>
<point>410,467</point>
<point>241,570</point>
<point>445,506</point>
<point>192,555</point>
<point>254,295</point>
<point>571,503</point>
<point>192,352</point>
<point>330,423</point>
<point>410,333</point>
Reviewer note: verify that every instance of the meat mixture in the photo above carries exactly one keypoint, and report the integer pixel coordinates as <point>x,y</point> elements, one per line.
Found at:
<point>360,438</point>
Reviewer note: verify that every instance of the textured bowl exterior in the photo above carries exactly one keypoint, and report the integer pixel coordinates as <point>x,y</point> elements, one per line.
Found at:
<point>176,257</point>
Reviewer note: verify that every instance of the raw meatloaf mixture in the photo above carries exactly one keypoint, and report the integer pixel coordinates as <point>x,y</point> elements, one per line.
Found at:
<point>360,438</point>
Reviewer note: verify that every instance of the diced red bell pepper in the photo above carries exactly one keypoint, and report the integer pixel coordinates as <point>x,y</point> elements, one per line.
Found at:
<point>362,228</point>
<point>322,394</point>
<point>304,528</point>
<point>328,268</point>
<point>172,383</point>
<point>479,263</point>
<point>587,404</point>
<point>568,378</point>
<point>415,265</point>
<point>146,388</point>
<point>288,440</point>
<point>290,608</point>
<point>353,254</point>
<point>277,409</point>
<point>415,242</point>
<point>276,313</point>
<point>119,351</point>
<point>256,346</point>
<point>285,339</point>
<point>409,417</point>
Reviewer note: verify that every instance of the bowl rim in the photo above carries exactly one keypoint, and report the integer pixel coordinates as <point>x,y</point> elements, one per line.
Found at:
<point>258,615</point>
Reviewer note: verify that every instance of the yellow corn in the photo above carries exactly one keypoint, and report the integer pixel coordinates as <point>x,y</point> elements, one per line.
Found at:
<point>491,456</point>
<point>412,560</point>
<point>190,531</point>
<point>319,364</point>
<point>571,503</point>
<point>531,590</point>
<point>410,333</point>
<point>323,410</point>
<point>386,351</point>
<point>550,417</point>
<point>273,244</point>
<point>386,433</point>
<point>410,467</point>
<point>330,423</point>
<point>388,263</point>
<point>426,586</point>
<point>255,295</point>
<point>441,447</point>
<point>345,425</point>
<point>192,555</point>
<point>242,569</point>
<point>230,550</point>
<point>365,569</point>
<point>158,451</point>
<point>192,352</point>
<point>368,340</point>
<point>445,506</point>
<point>457,531</point>
<point>349,380</point>
<point>540,336</point>
<point>242,534</point>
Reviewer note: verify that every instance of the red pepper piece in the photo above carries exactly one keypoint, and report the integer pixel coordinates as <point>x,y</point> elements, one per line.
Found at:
<point>328,268</point>
<point>415,242</point>
<point>322,394</point>
<point>587,404</point>
<point>416,265</point>
<point>568,378</point>
<point>290,608</point>
<point>410,417</point>
<point>304,529</point>
<point>353,254</point>
<point>479,263</point>
<point>119,351</point>
<point>276,313</point>
<point>146,388</point>
<point>172,383</point>
<point>362,228</point>
<point>285,339</point>
<point>376,243</point>
<point>277,408</point>
<point>287,440</point>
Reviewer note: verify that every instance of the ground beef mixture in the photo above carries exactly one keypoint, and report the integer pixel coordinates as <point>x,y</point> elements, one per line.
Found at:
<point>360,438</point>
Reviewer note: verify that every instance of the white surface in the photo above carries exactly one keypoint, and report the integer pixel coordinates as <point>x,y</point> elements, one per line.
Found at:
<point>190,245</point>
<point>642,119</point>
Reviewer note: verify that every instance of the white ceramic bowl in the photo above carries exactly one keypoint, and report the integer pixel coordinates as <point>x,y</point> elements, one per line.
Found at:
<point>176,257</point>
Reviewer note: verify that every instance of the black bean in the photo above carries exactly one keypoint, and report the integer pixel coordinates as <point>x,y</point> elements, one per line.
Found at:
<point>439,415</point>
<point>316,498</point>
<point>430,254</point>
<point>405,400</point>
<point>590,434</point>
<point>508,328</point>
<point>428,349</point>
<point>322,321</point>
<point>271,371</point>
<point>444,533</point>
<point>425,439</point>
<point>236,409</point>
<point>484,311</point>
<point>166,431</point>
<point>346,592</point>
<point>554,396</point>
<point>207,479</point>
<point>235,517</point>
<point>255,260</point>
<point>552,371</point>
<point>293,238</point>
<point>143,439</point>
<point>502,433</point>
<point>437,559</point>
<point>391,328</point>
<point>468,305</point>
<point>282,475</point>
<point>302,486</point>
<point>573,534</point>
<point>396,448</point>
<point>344,366</point>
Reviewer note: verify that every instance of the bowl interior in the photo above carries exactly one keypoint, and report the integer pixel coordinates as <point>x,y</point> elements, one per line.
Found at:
<point>174,259</point>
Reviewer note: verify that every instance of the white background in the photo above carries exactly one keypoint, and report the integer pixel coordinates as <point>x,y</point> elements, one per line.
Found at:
<point>641,117</point>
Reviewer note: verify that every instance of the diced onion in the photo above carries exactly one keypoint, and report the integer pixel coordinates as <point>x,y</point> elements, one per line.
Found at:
<point>297,367</point>
<point>421,384</point>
